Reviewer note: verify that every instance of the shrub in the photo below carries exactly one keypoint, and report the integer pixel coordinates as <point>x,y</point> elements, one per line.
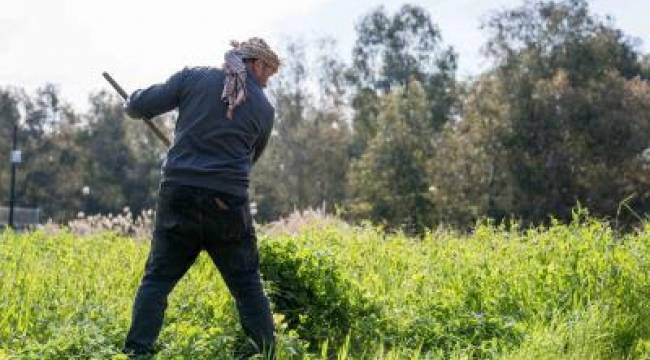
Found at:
<point>307,288</point>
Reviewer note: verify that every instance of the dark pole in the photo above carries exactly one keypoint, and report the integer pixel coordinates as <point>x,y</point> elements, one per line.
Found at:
<point>12,196</point>
<point>125,96</point>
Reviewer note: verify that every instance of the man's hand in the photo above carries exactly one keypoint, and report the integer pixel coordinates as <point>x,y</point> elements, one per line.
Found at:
<point>129,110</point>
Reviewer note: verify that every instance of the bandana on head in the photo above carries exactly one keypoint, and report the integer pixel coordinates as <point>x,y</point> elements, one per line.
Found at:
<point>234,90</point>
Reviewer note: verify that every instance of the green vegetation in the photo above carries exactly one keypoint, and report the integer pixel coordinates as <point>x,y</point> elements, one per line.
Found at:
<point>576,291</point>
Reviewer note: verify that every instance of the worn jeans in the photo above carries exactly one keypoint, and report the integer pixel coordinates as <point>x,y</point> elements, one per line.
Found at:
<point>188,220</point>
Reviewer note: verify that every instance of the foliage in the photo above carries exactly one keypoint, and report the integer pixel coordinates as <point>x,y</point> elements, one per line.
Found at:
<point>115,158</point>
<point>64,296</point>
<point>46,137</point>
<point>307,288</point>
<point>576,116</point>
<point>391,51</point>
<point>389,182</point>
<point>564,291</point>
<point>9,116</point>
<point>562,119</point>
<point>306,160</point>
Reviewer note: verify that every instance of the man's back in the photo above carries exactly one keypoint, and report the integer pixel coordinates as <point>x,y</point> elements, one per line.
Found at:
<point>209,150</point>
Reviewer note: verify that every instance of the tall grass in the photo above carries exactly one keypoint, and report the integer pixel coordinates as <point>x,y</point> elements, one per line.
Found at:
<point>574,291</point>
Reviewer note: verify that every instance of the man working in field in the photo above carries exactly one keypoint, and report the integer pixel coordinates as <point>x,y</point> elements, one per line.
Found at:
<point>223,126</point>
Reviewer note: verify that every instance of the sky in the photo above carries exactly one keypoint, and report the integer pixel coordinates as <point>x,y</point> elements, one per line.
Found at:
<point>70,42</point>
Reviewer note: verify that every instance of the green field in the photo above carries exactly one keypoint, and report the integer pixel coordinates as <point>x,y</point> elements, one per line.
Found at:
<point>575,291</point>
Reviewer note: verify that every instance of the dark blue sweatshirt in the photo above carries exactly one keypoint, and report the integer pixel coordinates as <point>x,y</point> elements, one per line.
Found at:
<point>209,150</point>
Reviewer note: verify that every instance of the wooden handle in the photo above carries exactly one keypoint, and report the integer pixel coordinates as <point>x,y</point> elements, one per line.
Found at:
<point>125,96</point>
<point>115,85</point>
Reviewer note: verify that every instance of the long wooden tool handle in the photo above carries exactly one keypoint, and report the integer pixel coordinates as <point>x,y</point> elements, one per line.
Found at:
<point>115,85</point>
<point>125,96</point>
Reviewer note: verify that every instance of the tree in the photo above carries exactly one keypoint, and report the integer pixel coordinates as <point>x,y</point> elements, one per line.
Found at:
<point>306,160</point>
<point>107,167</point>
<point>52,174</point>
<point>147,154</point>
<point>469,172</point>
<point>123,168</point>
<point>389,183</point>
<point>9,117</point>
<point>566,113</point>
<point>390,52</point>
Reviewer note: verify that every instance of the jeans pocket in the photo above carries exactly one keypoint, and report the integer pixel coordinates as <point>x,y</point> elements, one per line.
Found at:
<point>230,220</point>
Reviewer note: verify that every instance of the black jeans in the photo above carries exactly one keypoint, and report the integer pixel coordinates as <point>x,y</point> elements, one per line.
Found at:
<point>188,220</point>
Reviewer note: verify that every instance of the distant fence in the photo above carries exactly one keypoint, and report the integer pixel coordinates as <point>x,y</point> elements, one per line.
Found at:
<point>23,217</point>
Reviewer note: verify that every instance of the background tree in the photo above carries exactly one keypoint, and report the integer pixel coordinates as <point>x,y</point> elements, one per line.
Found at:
<point>469,170</point>
<point>126,158</point>
<point>389,52</point>
<point>107,168</point>
<point>561,118</point>
<point>47,177</point>
<point>389,183</point>
<point>9,116</point>
<point>148,154</point>
<point>51,178</point>
<point>306,160</point>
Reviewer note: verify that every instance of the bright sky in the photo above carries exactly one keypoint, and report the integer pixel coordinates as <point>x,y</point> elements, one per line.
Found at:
<point>70,42</point>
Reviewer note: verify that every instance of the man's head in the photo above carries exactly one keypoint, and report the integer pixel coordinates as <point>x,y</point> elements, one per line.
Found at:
<point>261,70</point>
<point>261,60</point>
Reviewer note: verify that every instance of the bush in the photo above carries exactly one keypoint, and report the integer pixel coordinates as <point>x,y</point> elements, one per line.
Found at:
<point>307,288</point>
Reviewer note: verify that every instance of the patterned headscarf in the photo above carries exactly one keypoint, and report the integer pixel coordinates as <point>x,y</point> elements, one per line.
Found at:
<point>234,90</point>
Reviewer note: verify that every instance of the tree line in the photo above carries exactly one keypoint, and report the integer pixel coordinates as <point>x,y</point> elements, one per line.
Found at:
<point>560,118</point>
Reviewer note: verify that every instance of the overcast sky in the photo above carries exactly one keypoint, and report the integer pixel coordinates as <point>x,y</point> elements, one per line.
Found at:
<point>70,42</point>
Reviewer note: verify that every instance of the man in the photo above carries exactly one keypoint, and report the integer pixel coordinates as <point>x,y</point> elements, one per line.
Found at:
<point>223,125</point>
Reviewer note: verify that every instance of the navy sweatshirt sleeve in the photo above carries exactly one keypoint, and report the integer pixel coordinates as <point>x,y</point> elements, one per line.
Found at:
<point>156,99</point>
